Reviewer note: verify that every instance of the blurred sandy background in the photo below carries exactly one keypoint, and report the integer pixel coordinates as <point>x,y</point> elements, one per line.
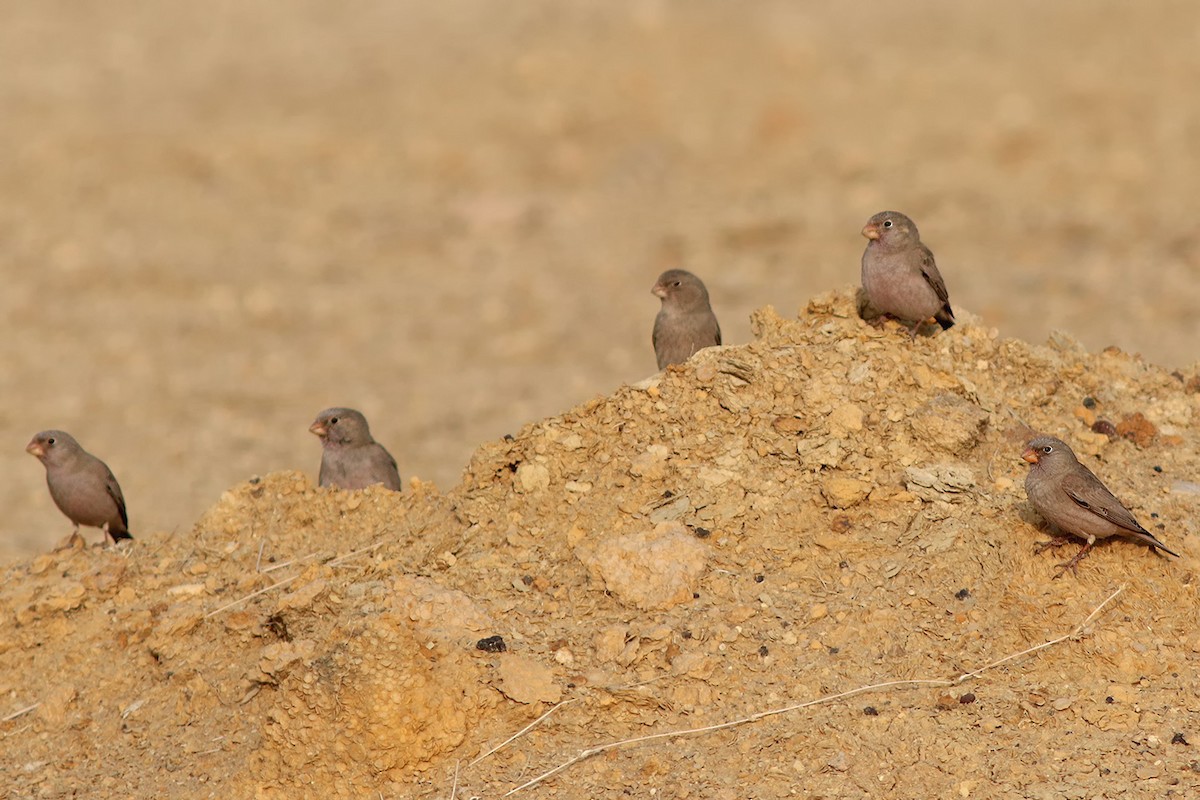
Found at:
<point>217,219</point>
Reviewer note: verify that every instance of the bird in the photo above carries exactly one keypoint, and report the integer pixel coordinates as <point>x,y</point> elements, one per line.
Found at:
<point>899,275</point>
<point>351,458</point>
<point>686,322</point>
<point>1068,495</point>
<point>81,485</point>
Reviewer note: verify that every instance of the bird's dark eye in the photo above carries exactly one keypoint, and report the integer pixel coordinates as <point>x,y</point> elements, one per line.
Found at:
<point>887,223</point>
<point>677,283</point>
<point>50,441</point>
<point>1047,449</point>
<point>333,420</point>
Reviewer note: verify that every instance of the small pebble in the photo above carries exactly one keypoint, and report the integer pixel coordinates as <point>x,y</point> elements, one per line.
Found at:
<point>492,644</point>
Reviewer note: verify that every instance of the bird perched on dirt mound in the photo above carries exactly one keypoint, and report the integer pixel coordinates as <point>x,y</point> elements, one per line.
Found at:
<point>351,458</point>
<point>686,322</point>
<point>899,275</point>
<point>81,485</point>
<point>1071,497</point>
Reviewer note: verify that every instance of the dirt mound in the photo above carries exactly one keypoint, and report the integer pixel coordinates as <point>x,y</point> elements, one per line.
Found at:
<point>828,507</point>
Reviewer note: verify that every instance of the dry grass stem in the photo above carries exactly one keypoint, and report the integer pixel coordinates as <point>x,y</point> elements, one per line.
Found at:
<point>250,596</point>
<point>523,731</point>
<point>19,712</point>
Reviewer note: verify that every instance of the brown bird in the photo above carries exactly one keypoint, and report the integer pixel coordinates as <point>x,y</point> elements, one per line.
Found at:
<point>1067,494</point>
<point>81,485</point>
<point>899,274</point>
<point>351,459</point>
<point>686,322</point>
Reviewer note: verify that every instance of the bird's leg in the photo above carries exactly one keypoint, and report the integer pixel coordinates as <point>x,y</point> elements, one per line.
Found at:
<point>916,326</point>
<point>1074,562</point>
<point>73,542</point>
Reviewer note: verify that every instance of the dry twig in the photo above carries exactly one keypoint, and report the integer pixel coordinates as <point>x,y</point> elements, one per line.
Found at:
<point>19,712</point>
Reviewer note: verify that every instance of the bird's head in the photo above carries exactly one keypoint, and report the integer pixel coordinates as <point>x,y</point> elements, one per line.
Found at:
<point>680,288</point>
<point>341,426</point>
<point>1046,451</point>
<point>49,446</point>
<point>891,228</point>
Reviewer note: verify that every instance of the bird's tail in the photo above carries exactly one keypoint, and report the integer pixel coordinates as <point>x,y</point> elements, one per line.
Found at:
<point>945,317</point>
<point>1149,539</point>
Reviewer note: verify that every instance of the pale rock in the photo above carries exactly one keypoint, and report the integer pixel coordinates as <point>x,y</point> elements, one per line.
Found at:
<point>527,681</point>
<point>950,423</point>
<point>533,477</point>
<point>842,492</point>
<point>610,641</point>
<point>845,419</point>
<point>655,569</point>
<point>947,482</point>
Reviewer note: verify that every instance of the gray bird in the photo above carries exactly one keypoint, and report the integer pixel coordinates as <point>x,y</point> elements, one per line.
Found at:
<point>81,485</point>
<point>899,275</point>
<point>1067,494</point>
<point>351,459</point>
<point>686,322</point>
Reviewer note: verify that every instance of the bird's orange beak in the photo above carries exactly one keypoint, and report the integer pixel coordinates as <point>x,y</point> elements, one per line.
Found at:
<point>871,231</point>
<point>318,428</point>
<point>35,449</point>
<point>1030,456</point>
<point>659,291</point>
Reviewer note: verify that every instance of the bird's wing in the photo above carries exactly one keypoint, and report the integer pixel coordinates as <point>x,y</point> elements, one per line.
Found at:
<point>393,477</point>
<point>114,491</point>
<point>1088,492</point>
<point>934,278</point>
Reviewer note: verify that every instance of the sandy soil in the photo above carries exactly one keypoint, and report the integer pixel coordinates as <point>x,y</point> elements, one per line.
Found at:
<point>828,508</point>
<point>218,220</point>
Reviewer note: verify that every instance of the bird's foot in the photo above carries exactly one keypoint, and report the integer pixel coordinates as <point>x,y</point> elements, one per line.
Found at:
<point>1051,544</point>
<point>916,327</point>
<point>72,542</point>
<point>1073,564</point>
